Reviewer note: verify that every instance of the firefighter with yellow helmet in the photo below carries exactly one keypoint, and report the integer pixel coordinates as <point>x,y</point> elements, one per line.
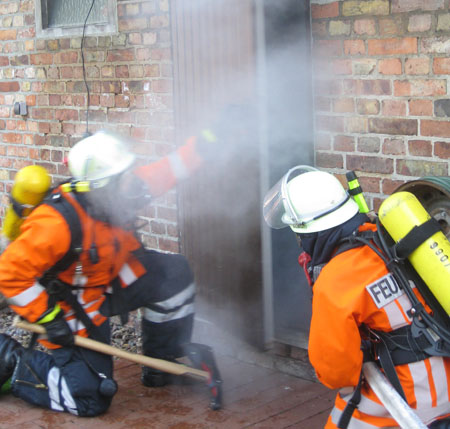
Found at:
<point>361,310</point>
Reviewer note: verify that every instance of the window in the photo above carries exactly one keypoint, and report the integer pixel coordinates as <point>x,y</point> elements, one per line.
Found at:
<point>58,18</point>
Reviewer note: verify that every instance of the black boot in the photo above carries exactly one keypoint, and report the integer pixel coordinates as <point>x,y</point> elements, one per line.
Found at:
<point>154,378</point>
<point>10,352</point>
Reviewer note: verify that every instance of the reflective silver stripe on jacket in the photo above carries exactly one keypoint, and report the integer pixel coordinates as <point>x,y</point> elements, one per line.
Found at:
<point>179,169</point>
<point>178,299</point>
<point>354,422</point>
<point>155,317</point>
<point>179,302</point>
<point>127,275</point>
<point>27,296</point>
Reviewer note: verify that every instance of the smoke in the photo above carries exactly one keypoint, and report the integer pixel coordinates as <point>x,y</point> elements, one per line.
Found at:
<point>243,72</point>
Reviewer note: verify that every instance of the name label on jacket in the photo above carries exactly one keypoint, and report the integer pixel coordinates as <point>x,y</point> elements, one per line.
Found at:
<point>384,290</point>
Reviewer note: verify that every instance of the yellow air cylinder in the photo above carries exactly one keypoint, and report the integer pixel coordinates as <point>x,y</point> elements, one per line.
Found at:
<point>399,214</point>
<point>30,187</point>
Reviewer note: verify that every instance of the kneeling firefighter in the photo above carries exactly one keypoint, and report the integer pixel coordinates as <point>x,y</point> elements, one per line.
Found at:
<point>77,261</point>
<point>366,305</point>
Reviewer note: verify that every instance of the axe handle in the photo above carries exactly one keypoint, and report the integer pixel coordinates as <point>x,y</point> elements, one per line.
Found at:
<point>87,343</point>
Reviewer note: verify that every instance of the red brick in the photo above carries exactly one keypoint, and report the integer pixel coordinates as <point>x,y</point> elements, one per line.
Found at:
<point>344,143</point>
<point>420,147</point>
<point>132,24</point>
<point>343,105</point>
<point>435,128</point>
<point>328,48</point>
<point>365,27</point>
<point>370,164</point>
<point>41,59</point>
<point>341,67</point>
<point>420,168</point>
<point>370,184</point>
<point>319,29</point>
<point>162,85</point>
<point>417,66</point>
<point>368,144</point>
<point>394,147</point>
<point>322,104</point>
<point>407,45</point>
<point>120,55</point>
<point>159,21</point>
<point>355,124</point>
<point>367,86</point>
<point>389,185</point>
<point>420,107</point>
<point>65,57</point>
<point>419,23</point>
<point>12,138</point>
<point>322,141</point>
<point>329,160</point>
<point>66,115</point>
<point>325,11</point>
<point>354,47</point>
<point>442,150</point>
<point>328,87</point>
<point>420,87</point>
<point>122,100</point>
<point>8,34</point>
<point>390,66</point>
<point>19,151</point>
<point>393,126</point>
<point>399,6</point>
<point>9,86</point>
<point>368,106</point>
<point>30,100</point>
<point>441,65</point>
<point>391,26</point>
<point>107,100</point>
<point>393,108</point>
<point>330,123</point>
<point>122,71</point>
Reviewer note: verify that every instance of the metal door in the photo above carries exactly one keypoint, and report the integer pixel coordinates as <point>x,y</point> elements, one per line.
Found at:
<point>243,52</point>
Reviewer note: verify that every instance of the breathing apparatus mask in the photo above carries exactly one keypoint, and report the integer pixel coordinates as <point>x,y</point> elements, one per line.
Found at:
<point>102,168</point>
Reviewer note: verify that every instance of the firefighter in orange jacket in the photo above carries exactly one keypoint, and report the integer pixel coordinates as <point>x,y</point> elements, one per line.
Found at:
<point>110,274</point>
<point>353,294</point>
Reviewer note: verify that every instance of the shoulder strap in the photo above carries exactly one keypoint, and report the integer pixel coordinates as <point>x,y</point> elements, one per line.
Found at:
<point>67,210</point>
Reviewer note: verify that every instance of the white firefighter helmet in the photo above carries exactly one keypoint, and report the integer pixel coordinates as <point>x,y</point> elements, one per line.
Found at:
<point>98,158</point>
<point>308,200</point>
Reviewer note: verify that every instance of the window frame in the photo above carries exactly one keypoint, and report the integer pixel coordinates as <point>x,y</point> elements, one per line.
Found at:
<point>74,30</point>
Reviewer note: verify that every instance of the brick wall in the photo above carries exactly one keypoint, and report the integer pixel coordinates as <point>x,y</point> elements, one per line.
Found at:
<point>382,75</point>
<point>130,79</point>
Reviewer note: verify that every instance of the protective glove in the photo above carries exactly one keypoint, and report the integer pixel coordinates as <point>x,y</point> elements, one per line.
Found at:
<point>58,331</point>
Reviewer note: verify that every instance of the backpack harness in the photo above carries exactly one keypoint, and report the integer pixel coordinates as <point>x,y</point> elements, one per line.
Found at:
<point>61,291</point>
<point>428,335</point>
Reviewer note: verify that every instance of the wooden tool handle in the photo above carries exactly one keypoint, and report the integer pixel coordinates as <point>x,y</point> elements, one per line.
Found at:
<point>87,343</point>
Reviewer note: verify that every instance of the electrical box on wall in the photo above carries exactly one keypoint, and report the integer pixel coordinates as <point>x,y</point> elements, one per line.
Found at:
<point>20,108</point>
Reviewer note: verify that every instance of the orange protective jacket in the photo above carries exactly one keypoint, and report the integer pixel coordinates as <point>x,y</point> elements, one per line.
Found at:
<point>45,238</point>
<point>350,292</point>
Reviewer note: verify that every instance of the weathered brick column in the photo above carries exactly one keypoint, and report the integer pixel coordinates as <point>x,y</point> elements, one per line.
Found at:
<point>129,74</point>
<point>381,71</point>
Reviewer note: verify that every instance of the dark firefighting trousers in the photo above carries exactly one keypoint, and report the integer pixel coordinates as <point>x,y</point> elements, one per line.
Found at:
<point>70,379</point>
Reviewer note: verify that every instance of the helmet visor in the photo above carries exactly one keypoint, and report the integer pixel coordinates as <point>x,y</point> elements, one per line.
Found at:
<point>278,211</point>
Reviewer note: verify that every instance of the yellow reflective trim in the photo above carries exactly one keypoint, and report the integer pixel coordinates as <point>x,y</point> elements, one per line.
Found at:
<point>76,186</point>
<point>209,136</point>
<point>50,316</point>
